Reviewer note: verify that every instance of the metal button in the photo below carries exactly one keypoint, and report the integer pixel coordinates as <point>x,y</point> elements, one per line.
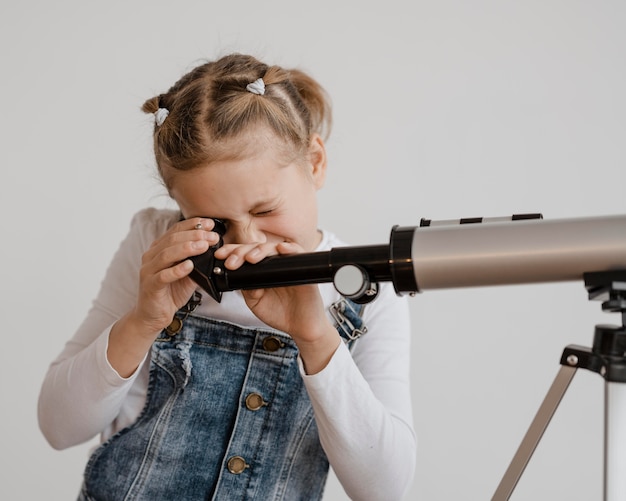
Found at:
<point>254,401</point>
<point>272,343</point>
<point>174,327</point>
<point>237,465</point>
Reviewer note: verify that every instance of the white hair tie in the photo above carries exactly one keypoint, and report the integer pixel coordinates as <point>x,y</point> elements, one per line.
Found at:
<point>160,115</point>
<point>256,87</point>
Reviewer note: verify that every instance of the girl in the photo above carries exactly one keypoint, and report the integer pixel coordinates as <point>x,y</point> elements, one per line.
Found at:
<point>252,397</point>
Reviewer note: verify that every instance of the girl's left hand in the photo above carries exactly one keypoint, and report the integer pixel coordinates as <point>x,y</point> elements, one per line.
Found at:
<point>297,310</point>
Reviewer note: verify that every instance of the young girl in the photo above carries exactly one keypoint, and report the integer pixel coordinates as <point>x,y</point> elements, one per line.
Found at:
<point>252,397</point>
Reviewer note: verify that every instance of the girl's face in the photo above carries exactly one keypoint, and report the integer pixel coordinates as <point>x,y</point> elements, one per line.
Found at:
<point>260,196</point>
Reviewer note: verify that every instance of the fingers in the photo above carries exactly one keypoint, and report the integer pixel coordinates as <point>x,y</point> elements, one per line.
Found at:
<point>166,260</point>
<point>289,248</point>
<point>234,255</point>
<point>186,238</point>
<point>171,274</point>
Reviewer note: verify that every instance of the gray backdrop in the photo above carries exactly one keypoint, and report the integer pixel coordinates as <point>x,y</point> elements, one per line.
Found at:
<point>443,109</point>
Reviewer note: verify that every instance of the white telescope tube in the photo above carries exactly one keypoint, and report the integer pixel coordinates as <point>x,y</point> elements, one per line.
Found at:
<point>519,252</point>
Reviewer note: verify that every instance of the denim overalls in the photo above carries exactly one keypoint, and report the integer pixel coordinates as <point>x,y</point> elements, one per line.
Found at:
<point>226,418</point>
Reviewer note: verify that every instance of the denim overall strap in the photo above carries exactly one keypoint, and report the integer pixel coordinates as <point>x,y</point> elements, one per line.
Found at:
<point>348,319</point>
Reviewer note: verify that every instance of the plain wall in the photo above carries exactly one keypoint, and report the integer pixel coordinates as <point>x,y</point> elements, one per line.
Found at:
<point>443,109</point>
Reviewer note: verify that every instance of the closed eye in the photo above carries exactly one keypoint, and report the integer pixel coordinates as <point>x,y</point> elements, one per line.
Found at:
<point>263,213</point>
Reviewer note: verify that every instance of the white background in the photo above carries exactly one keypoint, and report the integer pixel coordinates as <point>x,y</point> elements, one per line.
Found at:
<point>443,109</point>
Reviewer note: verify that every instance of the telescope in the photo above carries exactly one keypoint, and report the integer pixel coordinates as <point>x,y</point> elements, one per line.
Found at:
<point>471,252</point>
<point>468,252</point>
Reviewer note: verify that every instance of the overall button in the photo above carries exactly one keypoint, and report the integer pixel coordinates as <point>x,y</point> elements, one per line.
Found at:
<point>254,401</point>
<point>174,327</point>
<point>237,465</point>
<point>272,343</point>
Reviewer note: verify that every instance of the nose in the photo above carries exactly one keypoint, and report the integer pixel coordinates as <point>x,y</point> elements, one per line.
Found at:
<point>244,233</point>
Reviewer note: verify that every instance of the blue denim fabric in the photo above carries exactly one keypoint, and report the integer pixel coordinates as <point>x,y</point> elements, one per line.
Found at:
<point>227,418</point>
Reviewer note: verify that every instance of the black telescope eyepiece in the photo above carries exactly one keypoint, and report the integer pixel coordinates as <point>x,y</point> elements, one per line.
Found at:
<point>204,265</point>
<point>219,227</point>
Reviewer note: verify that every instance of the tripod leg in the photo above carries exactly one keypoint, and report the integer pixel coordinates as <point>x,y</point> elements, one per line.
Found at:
<point>534,433</point>
<point>614,439</point>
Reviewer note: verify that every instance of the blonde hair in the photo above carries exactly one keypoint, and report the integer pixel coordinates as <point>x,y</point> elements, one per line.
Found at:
<point>210,106</point>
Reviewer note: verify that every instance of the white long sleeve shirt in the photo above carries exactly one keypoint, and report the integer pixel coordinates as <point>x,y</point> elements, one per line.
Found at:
<point>361,400</point>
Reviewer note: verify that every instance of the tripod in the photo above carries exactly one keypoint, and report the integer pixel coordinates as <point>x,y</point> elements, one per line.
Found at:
<point>607,357</point>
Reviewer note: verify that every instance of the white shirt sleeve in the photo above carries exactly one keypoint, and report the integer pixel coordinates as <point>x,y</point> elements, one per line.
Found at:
<point>82,395</point>
<point>362,405</point>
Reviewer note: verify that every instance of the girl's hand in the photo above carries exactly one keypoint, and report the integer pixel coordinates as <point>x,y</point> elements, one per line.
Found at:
<point>297,310</point>
<point>164,284</point>
<point>164,288</point>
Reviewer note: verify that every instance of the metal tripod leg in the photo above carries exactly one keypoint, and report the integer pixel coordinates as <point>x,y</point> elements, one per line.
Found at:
<point>534,433</point>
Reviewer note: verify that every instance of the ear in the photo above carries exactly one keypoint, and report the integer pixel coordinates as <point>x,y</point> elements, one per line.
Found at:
<point>318,161</point>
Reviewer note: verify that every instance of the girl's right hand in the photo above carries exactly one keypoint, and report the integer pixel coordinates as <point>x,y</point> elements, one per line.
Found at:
<point>164,288</point>
<point>164,283</point>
